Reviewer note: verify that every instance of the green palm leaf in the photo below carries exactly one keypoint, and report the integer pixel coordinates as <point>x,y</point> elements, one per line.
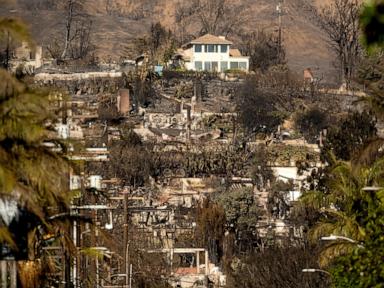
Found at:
<point>344,206</point>
<point>14,28</point>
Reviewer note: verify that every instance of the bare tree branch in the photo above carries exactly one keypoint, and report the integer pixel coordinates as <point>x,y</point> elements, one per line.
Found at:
<point>217,17</point>
<point>340,22</point>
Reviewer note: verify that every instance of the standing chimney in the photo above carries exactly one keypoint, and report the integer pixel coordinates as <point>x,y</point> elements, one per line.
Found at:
<point>123,101</point>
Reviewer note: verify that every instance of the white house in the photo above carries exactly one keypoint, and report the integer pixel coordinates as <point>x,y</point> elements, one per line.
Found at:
<point>212,53</point>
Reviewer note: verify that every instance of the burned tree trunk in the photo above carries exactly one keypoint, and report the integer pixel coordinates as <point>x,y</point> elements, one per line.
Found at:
<point>68,26</point>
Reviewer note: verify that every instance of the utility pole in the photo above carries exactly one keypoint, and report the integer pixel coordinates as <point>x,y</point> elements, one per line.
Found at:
<point>279,9</point>
<point>130,275</point>
<point>126,240</point>
<point>93,228</point>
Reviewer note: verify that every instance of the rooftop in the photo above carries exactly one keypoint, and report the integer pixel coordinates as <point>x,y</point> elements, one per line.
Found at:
<point>211,39</point>
<point>234,53</point>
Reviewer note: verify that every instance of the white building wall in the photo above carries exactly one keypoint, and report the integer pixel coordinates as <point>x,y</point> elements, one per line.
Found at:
<point>95,181</point>
<point>218,57</point>
<point>240,59</point>
<point>69,130</point>
<point>62,131</point>
<point>74,182</point>
<point>190,66</point>
<point>211,56</point>
<point>286,173</point>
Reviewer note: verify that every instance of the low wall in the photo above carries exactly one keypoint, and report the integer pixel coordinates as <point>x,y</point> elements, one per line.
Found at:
<point>90,83</point>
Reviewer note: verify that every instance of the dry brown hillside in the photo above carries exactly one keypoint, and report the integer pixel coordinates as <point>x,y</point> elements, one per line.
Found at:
<point>118,22</point>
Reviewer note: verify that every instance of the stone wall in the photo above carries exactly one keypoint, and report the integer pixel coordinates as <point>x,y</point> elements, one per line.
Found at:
<point>84,83</point>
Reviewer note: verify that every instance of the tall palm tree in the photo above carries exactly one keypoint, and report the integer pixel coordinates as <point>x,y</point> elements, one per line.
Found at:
<point>371,69</point>
<point>30,173</point>
<point>344,207</point>
<point>33,178</point>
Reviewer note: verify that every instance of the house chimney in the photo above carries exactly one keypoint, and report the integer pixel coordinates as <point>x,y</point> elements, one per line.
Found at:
<point>123,103</point>
<point>222,37</point>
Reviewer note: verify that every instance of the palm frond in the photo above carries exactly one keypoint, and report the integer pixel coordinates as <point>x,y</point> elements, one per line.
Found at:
<point>32,174</point>
<point>15,28</point>
<point>344,204</point>
<point>369,153</point>
<point>6,237</point>
<point>314,199</point>
<point>333,250</point>
<point>321,229</point>
<point>376,173</point>
<point>92,252</point>
<point>29,273</point>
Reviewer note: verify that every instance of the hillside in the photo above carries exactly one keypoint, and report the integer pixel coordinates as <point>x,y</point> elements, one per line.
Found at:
<point>118,22</point>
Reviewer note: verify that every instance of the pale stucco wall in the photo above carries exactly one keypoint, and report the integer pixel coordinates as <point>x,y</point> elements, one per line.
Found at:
<point>212,57</point>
